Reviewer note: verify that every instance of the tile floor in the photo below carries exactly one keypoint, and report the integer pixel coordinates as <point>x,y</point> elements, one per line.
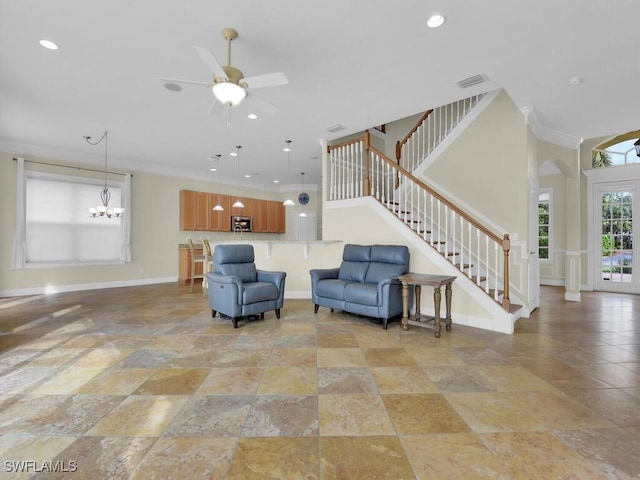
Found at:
<point>141,383</point>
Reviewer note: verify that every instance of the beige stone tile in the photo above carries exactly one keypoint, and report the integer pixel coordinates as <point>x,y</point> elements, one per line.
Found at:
<point>297,328</point>
<point>377,338</point>
<point>436,356</point>
<point>512,378</point>
<point>288,381</point>
<point>402,380</point>
<point>37,448</point>
<point>451,456</point>
<point>337,340</point>
<point>141,416</point>
<point>173,457</point>
<point>367,457</point>
<point>293,357</point>
<point>211,416</point>
<point>353,415</point>
<point>231,381</point>
<point>116,381</point>
<point>275,458</point>
<point>538,456</point>
<point>423,413</point>
<point>173,381</point>
<point>341,357</point>
<point>493,412</point>
<point>387,357</point>
<point>100,357</point>
<point>67,380</point>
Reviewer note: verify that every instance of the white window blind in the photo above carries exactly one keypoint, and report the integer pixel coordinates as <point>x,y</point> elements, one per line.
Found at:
<point>59,228</point>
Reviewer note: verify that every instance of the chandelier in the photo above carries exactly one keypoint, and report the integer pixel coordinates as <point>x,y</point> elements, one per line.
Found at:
<point>105,195</point>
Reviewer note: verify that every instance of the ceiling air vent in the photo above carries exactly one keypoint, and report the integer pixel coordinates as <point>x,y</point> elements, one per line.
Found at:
<point>471,81</point>
<point>335,128</point>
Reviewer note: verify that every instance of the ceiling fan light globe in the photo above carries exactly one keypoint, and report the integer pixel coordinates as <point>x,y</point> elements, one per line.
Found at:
<point>228,93</point>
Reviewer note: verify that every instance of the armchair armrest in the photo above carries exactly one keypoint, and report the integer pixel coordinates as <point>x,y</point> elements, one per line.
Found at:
<point>318,274</point>
<point>227,279</point>
<point>271,277</point>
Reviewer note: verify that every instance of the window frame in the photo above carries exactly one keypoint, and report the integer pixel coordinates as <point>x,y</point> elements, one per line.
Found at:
<point>546,191</point>
<point>85,180</point>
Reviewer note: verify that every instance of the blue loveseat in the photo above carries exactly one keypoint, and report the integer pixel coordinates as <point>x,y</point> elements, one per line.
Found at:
<point>364,283</point>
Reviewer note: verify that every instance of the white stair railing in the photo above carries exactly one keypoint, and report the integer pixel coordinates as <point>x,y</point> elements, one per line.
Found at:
<point>358,169</point>
<point>430,130</point>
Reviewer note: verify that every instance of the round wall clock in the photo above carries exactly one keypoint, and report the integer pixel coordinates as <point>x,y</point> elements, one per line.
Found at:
<point>303,198</point>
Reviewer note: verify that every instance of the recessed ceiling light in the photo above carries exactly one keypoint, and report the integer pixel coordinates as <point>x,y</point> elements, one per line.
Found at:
<point>48,44</point>
<point>247,176</point>
<point>276,181</point>
<point>252,116</point>
<point>575,81</point>
<point>213,169</point>
<point>234,154</point>
<point>435,21</point>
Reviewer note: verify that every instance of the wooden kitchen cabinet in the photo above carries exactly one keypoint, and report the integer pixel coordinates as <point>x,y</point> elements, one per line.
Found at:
<point>187,210</point>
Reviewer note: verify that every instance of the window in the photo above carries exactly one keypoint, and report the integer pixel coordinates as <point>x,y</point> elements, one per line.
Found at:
<point>544,224</point>
<point>621,153</point>
<point>55,227</point>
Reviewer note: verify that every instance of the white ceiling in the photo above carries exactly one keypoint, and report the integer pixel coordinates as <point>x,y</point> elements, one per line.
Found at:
<point>357,63</point>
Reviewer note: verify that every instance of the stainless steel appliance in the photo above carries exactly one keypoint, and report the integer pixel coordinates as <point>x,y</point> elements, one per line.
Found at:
<point>240,224</point>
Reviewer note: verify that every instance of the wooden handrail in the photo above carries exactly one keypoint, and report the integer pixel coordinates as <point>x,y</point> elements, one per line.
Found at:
<point>400,143</point>
<point>344,144</point>
<point>496,238</point>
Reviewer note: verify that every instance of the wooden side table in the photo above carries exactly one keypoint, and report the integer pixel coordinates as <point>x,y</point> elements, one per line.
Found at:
<point>435,281</point>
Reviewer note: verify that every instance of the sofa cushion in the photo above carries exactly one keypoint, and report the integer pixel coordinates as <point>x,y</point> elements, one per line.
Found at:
<point>353,271</point>
<point>362,293</point>
<point>246,271</point>
<point>259,292</point>
<point>331,288</point>
<point>381,271</point>
<point>356,253</point>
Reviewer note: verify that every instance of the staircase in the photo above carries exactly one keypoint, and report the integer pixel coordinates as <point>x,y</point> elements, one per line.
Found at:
<point>357,169</point>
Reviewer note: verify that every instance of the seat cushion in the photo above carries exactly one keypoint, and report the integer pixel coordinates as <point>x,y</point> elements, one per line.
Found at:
<point>245,271</point>
<point>362,293</point>
<point>255,292</point>
<point>331,288</point>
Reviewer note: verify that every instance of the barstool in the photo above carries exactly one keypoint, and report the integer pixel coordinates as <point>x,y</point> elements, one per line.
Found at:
<point>196,258</point>
<point>208,266</point>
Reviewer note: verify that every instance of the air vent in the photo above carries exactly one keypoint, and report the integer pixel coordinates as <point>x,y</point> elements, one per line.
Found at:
<point>471,81</point>
<point>335,128</point>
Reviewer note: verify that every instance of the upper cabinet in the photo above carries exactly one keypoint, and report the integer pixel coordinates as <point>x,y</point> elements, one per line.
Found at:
<point>197,214</point>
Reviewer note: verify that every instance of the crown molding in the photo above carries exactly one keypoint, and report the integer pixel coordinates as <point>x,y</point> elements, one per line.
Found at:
<point>548,134</point>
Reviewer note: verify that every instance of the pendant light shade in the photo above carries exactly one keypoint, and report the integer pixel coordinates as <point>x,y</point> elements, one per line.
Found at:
<point>288,202</point>
<point>238,203</point>
<point>218,207</point>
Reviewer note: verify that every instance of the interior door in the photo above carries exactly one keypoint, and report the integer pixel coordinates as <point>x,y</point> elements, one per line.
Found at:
<point>614,262</point>
<point>534,262</point>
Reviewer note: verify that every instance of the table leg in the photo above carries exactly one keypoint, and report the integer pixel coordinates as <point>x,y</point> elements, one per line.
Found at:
<point>417,289</point>
<point>405,306</point>
<point>447,296</point>
<point>436,313</point>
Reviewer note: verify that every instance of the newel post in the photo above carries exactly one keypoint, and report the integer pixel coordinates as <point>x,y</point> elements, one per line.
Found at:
<point>367,180</point>
<point>506,246</point>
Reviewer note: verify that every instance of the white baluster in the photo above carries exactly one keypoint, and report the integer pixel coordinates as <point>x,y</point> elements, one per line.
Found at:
<point>486,243</point>
<point>478,257</point>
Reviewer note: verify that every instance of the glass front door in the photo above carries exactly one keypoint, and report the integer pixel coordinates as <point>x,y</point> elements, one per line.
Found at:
<point>614,240</point>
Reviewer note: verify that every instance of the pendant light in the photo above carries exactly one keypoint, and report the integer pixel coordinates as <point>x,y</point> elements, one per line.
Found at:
<point>238,203</point>
<point>303,198</point>
<point>288,202</point>
<point>105,195</point>
<point>218,207</point>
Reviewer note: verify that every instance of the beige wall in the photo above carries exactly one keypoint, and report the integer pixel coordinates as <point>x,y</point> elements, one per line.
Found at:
<point>486,167</point>
<point>155,231</point>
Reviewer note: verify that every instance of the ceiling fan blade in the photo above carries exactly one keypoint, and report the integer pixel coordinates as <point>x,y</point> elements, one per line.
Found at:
<point>211,61</point>
<point>261,103</point>
<point>186,82</point>
<point>267,80</point>
<point>215,108</point>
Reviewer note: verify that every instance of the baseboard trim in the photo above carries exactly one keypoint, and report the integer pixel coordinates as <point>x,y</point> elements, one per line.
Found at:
<point>52,289</point>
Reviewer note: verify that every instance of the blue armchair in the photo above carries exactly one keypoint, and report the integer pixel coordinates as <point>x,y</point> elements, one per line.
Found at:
<point>237,289</point>
<point>365,283</point>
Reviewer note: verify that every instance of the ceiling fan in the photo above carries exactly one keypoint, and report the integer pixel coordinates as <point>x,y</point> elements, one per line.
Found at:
<point>229,85</point>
